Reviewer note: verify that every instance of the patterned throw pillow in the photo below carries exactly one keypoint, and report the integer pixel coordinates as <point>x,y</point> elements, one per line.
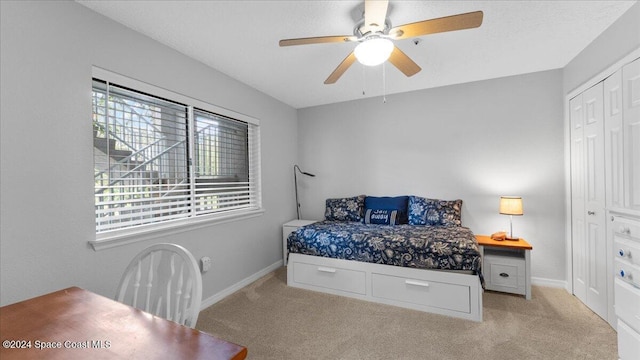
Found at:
<point>345,209</point>
<point>434,212</point>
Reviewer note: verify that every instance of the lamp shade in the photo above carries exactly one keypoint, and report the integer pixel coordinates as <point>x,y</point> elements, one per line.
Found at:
<point>373,52</point>
<point>511,205</point>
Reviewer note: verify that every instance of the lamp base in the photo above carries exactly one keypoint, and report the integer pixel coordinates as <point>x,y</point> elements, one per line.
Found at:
<point>512,239</point>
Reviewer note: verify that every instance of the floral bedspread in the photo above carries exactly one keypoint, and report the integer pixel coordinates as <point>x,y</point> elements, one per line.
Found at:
<point>429,247</point>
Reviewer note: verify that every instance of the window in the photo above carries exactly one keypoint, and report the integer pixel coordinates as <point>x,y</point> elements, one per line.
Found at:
<point>164,158</point>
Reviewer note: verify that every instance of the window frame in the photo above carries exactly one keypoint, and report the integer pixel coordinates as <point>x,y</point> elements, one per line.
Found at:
<point>117,237</point>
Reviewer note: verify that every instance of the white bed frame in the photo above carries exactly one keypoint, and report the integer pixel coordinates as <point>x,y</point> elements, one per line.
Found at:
<point>454,294</point>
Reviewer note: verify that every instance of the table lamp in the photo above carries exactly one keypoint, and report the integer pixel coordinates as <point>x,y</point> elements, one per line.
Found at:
<point>511,205</point>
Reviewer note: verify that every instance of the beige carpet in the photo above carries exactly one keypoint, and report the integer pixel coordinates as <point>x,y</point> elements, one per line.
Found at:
<point>277,322</point>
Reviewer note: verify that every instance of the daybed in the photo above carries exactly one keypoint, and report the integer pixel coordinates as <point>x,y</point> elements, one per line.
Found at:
<point>406,251</point>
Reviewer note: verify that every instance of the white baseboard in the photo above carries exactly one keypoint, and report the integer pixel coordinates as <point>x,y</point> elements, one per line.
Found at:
<point>239,285</point>
<point>562,284</point>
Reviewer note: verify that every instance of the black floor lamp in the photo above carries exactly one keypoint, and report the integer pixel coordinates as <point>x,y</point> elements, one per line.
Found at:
<point>296,169</point>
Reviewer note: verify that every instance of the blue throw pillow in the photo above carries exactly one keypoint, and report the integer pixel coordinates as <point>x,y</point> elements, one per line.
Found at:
<point>398,203</point>
<point>380,217</point>
<point>434,212</point>
<point>345,209</point>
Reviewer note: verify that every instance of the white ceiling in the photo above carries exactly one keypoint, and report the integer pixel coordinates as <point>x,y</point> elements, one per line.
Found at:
<point>240,39</point>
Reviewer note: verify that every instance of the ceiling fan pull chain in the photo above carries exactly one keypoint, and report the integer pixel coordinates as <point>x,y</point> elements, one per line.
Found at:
<point>384,84</point>
<point>364,80</point>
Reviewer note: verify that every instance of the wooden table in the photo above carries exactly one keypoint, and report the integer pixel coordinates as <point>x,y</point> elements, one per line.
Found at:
<point>77,324</point>
<point>513,260</point>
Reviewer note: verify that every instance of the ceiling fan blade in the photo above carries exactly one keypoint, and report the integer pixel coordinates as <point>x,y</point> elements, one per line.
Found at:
<point>375,13</point>
<point>443,24</point>
<point>344,65</point>
<point>403,62</point>
<point>317,40</point>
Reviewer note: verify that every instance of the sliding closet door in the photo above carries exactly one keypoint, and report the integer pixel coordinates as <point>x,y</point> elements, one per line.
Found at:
<point>595,200</point>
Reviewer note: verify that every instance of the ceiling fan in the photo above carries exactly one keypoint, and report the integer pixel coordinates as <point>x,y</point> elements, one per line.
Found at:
<point>375,34</point>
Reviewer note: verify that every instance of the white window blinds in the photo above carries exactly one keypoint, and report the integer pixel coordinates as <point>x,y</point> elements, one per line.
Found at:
<point>157,160</point>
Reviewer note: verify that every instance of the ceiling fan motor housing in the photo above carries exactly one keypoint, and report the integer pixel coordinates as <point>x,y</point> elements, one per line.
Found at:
<point>382,32</point>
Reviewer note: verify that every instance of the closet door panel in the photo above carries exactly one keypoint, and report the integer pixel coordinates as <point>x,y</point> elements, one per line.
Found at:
<point>614,141</point>
<point>594,140</point>
<point>595,200</point>
<point>577,199</point>
<point>631,120</point>
<point>614,170</point>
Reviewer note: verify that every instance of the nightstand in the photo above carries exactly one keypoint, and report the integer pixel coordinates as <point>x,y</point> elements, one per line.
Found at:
<point>506,265</point>
<point>287,229</point>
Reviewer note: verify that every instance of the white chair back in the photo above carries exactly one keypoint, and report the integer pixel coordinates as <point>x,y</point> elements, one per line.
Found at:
<point>165,280</point>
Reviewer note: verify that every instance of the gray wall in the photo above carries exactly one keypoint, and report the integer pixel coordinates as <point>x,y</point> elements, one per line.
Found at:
<point>621,38</point>
<point>474,141</point>
<point>48,49</point>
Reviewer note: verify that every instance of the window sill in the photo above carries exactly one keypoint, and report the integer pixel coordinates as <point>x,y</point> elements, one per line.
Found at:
<point>129,236</point>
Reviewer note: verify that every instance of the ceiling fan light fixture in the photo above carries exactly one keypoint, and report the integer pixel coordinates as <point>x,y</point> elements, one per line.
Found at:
<point>373,52</point>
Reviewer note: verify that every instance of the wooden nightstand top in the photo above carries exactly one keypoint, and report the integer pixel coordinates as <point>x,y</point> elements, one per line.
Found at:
<point>484,240</point>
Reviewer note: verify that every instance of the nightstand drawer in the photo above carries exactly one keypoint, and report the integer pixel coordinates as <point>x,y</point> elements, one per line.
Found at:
<point>503,273</point>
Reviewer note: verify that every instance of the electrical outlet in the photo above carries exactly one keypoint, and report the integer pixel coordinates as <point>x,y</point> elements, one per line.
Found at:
<point>205,264</point>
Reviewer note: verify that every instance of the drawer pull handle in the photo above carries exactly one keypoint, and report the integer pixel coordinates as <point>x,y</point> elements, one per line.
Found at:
<point>591,212</point>
<point>326,269</point>
<point>628,277</point>
<point>504,274</point>
<point>416,283</point>
<point>621,252</point>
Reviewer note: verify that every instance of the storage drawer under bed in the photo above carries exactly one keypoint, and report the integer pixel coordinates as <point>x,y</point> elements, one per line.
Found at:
<point>457,294</point>
<point>330,277</point>
<point>422,292</point>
